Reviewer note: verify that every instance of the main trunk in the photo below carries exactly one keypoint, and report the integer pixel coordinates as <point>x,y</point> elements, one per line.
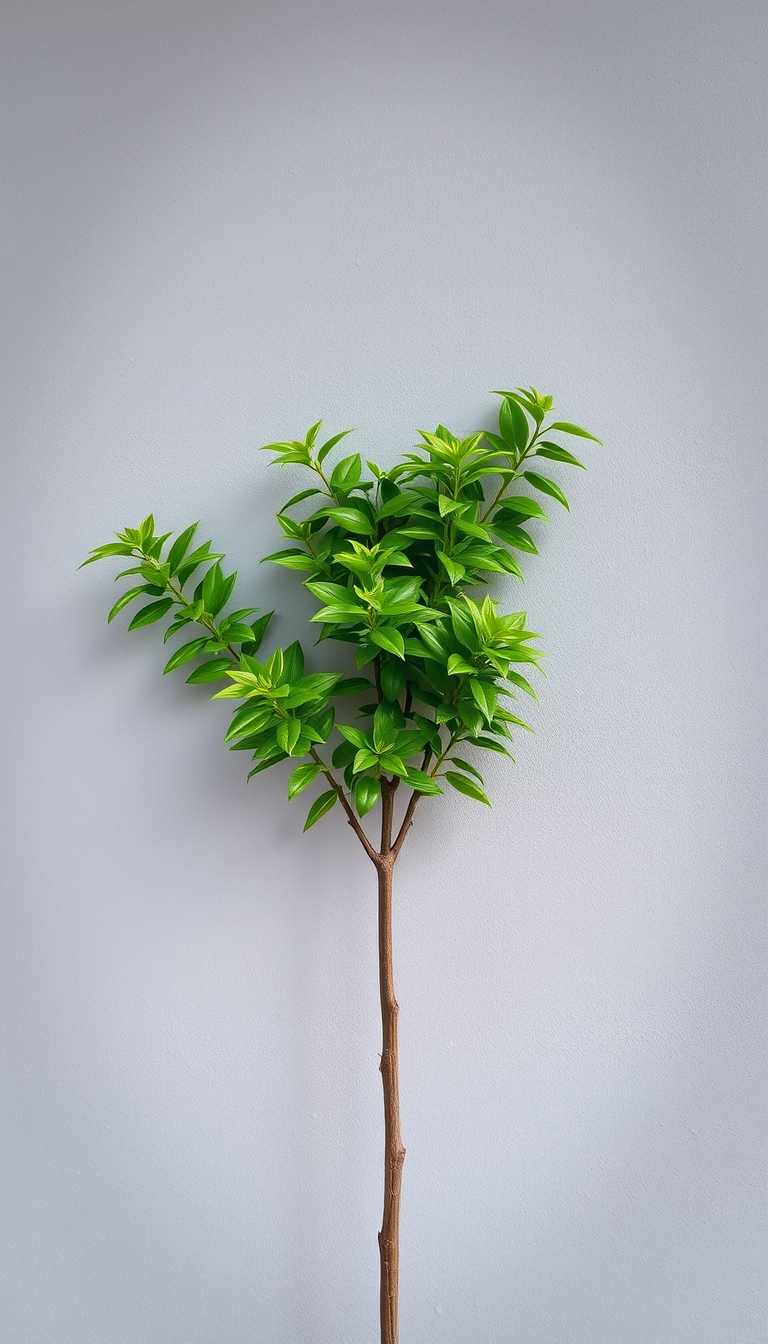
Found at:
<point>394,1152</point>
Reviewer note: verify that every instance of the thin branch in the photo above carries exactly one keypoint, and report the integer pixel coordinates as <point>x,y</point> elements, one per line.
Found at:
<point>351,818</point>
<point>407,823</point>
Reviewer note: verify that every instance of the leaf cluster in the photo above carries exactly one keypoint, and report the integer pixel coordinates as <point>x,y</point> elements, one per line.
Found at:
<point>397,561</point>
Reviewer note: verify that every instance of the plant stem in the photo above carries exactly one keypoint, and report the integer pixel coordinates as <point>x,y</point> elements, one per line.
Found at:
<point>394,1152</point>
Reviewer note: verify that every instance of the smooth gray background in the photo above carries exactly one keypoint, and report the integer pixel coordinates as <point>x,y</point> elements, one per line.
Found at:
<point>219,222</point>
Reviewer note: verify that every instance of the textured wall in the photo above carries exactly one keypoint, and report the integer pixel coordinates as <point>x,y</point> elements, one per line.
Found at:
<point>220,221</point>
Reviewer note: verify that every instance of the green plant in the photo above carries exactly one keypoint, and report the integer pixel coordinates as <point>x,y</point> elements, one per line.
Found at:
<point>390,558</point>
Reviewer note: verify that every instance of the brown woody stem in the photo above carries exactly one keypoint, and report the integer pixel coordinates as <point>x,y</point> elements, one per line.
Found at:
<point>394,1152</point>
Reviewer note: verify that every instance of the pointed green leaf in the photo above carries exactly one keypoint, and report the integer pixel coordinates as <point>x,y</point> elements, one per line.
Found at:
<point>566,428</point>
<point>323,452</point>
<point>215,670</point>
<point>422,782</point>
<point>521,506</point>
<point>393,679</point>
<point>453,569</point>
<point>111,548</point>
<point>366,793</point>
<point>301,777</point>
<point>259,629</point>
<point>346,474</point>
<point>180,548</point>
<point>355,736</point>
<point>466,786</point>
<point>548,487</point>
<point>353,520</point>
<point>352,686</point>
<point>513,424</point>
<point>464,765</point>
<point>364,760</point>
<point>458,667</point>
<point>389,761</point>
<point>296,499</point>
<point>292,559</point>
<point>386,637</point>
<point>151,613</point>
<point>267,764</point>
<point>524,685</point>
<point>484,697</point>
<point>288,733</point>
<point>185,654</point>
<point>557,454</point>
<point>125,599</point>
<point>490,744</point>
<point>319,808</point>
<point>514,536</point>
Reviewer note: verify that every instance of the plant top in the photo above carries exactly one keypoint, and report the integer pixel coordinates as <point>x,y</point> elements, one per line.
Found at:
<point>397,560</point>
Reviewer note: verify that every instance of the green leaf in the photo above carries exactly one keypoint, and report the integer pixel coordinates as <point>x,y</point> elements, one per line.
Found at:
<point>259,629</point>
<point>513,424</point>
<point>393,679</point>
<point>557,454</point>
<point>352,686</point>
<point>338,613</point>
<point>464,765</point>
<point>180,548</point>
<point>366,793</point>
<point>251,717</point>
<point>321,724</point>
<point>319,808</point>
<point>522,506</point>
<point>147,529</point>
<point>355,736</point>
<point>343,754</point>
<point>265,765</point>
<point>111,548</point>
<point>323,452</point>
<point>453,569</point>
<point>466,786</point>
<point>346,474</point>
<point>566,428</point>
<point>353,520</point>
<point>548,487</point>
<point>363,760</point>
<point>458,666</point>
<point>387,637</point>
<point>488,744</point>
<point>185,654</point>
<point>389,761</point>
<point>151,613</point>
<point>293,662</point>
<point>288,733</point>
<point>514,536</point>
<point>301,777</point>
<point>125,599</point>
<point>524,685</point>
<point>193,561</point>
<point>422,782</point>
<point>215,670</point>
<point>387,723</point>
<point>484,697</point>
<point>292,559</point>
<point>296,499</point>
<point>214,589</point>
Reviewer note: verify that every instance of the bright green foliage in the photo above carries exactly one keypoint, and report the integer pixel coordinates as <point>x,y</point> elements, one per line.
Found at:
<point>390,558</point>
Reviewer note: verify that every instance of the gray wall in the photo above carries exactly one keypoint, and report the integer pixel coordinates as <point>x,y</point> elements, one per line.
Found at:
<point>221,221</point>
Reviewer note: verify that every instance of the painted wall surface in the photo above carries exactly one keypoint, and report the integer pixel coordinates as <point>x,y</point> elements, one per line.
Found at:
<point>219,222</point>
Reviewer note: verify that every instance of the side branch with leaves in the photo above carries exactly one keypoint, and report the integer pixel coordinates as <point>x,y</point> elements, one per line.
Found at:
<point>392,558</point>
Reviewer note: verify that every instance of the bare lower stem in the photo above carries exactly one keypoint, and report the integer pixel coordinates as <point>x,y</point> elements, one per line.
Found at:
<point>394,1152</point>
